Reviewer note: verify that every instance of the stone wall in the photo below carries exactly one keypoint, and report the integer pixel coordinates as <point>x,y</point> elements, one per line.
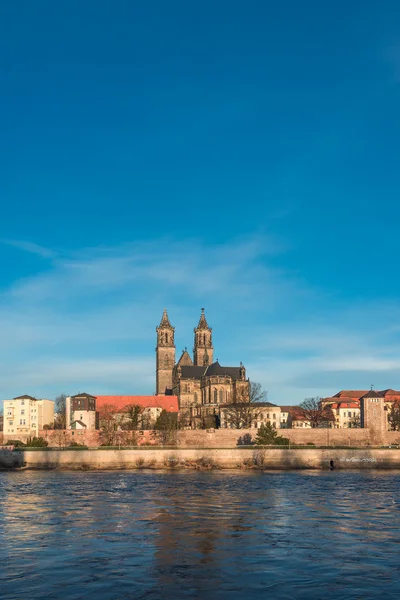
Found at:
<point>92,438</point>
<point>224,438</point>
<point>229,438</point>
<point>233,458</point>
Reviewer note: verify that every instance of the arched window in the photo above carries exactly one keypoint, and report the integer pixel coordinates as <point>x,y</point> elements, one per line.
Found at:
<point>215,396</point>
<point>221,396</point>
<point>166,338</point>
<point>195,397</point>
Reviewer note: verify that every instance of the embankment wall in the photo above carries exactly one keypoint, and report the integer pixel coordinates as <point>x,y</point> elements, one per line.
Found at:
<point>229,438</point>
<point>226,438</point>
<point>224,458</point>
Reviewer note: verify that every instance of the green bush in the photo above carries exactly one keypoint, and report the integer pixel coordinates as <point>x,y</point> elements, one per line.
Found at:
<point>16,443</point>
<point>76,445</point>
<point>268,436</point>
<point>36,442</point>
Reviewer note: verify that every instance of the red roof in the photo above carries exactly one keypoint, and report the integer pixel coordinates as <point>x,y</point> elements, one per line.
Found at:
<point>345,405</point>
<point>350,394</point>
<point>169,403</point>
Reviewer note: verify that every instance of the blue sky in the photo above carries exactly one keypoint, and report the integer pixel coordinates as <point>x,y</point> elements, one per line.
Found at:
<point>242,156</point>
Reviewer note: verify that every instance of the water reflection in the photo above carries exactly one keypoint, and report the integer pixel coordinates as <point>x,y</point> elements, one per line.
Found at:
<point>199,535</point>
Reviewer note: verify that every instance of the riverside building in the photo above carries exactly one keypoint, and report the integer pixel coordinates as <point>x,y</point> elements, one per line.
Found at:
<point>26,415</point>
<point>201,384</point>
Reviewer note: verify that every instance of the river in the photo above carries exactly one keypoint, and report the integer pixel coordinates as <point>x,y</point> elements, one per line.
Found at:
<point>212,535</point>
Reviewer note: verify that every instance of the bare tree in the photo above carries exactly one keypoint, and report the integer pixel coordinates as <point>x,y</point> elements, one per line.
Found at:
<point>257,392</point>
<point>355,422</point>
<point>58,438</point>
<point>132,417</point>
<point>313,411</point>
<point>242,413</point>
<point>167,425</point>
<point>394,416</point>
<point>108,424</point>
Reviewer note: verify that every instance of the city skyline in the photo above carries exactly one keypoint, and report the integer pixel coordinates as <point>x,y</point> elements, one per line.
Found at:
<point>239,157</point>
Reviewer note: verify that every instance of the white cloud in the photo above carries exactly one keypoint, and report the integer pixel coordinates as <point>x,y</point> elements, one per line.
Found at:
<point>30,247</point>
<point>88,321</point>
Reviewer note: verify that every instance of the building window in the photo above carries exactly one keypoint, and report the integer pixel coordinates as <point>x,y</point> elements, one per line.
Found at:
<point>221,396</point>
<point>22,412</point>
<point>215,396</point>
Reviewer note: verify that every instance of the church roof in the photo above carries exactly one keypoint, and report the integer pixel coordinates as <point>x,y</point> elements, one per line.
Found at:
<point>185,359</point>
<point>217,369</point>
<point>196,372</point>
<point>203,321</point>
<point>165,320</point>
<point>192,372</point>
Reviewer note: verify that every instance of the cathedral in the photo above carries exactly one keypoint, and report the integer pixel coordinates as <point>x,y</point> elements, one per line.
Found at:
<point>201,385</point>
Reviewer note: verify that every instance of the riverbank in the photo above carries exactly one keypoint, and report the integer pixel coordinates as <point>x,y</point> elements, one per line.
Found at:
<point>202,458</point>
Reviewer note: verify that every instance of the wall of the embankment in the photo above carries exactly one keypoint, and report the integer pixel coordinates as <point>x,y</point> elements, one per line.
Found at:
<point>224,458</point>
<point>226,438</point>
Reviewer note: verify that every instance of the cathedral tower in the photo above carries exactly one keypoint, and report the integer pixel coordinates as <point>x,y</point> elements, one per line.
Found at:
<point>203,348</point>
<point>165,355</point>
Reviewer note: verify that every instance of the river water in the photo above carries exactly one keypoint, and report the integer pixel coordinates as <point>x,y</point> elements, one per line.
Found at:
<point>212,535</point>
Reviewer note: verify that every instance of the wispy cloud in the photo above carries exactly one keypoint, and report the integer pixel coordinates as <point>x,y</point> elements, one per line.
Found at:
<point>88,321</point>
<point>30,247</point>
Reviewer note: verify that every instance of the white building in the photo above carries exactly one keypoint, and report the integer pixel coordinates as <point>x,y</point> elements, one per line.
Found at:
<point>26,416</point>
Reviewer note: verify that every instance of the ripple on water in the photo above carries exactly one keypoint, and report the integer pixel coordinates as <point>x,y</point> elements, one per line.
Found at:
<point>199,535</point>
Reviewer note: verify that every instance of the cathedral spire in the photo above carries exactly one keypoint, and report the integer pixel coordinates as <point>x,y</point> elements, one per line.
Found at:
<point>202,321</point>
<point>165,320</point>
<point>203,348</point>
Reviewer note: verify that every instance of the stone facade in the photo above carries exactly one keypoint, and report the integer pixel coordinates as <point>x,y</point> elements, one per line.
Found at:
<point>201,385</point>
<point>165,356</point>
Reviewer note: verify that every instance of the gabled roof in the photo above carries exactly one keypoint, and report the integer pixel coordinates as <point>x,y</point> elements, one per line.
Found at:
<point>350,393</point>
<point>373,394</point>
<point>83,395</point>
<point>390,392</point>
<point>25,397</point>
<point>80,423</point>
<point>217,369</point>
<point>168,403</point>
<point>196,372</point>
<point>185,359</point>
